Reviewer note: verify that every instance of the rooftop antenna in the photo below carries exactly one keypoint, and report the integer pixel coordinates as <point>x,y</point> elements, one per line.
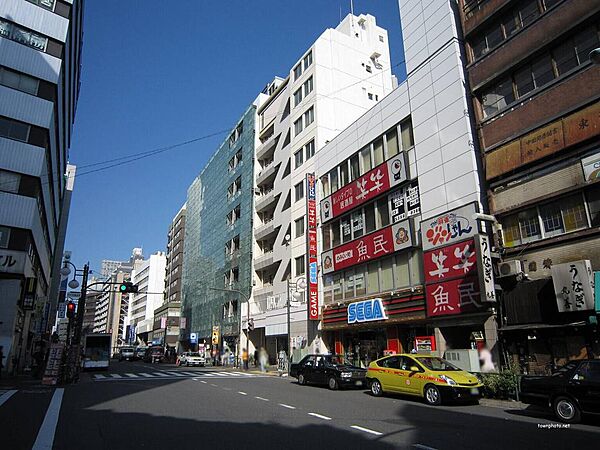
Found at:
<point>352,14</point>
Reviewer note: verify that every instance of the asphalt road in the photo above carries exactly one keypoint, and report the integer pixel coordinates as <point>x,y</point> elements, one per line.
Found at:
<point>181,408</point>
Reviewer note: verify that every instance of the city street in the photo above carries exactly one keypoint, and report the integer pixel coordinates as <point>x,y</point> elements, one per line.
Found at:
<point>162,406</point>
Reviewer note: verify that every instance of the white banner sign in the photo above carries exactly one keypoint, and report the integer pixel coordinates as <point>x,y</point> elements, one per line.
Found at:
<point>574,286</point>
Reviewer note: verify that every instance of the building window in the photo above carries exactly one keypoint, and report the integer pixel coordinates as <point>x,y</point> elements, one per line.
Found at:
<point>498,97</point>
<point>47,4</point>
<point>19,81</point>
<point>370,96</point>
<point>368,68</point>
<point>299,191</point>
<point>300,266</point>
<point>406,132</point>
<point>391,143</point>
<point>310,149</point>
<point>365,159</point>
<point>308,59</point>
<point>298,158</point>
<point>298,126</point>
<point>22,36</point>
<point>309,117</point>
<point>4,237</point>
<point>298,96</point>
<point>9,182</point>
<point>299,226</point>
<point>325,185</point>
<point>326,235</point>
<point>308,86</point>
<point>378,152</point>
<point>297,71</point>
<point>12,129</point>
<point>333,179</point>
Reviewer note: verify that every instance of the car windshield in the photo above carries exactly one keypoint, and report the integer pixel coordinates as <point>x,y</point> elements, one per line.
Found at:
<point>437,364</point>
<point>193,354</point>
<point>337,360</point>
<point>564,369</point>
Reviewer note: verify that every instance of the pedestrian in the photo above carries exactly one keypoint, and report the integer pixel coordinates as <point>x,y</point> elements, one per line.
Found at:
<point>255,357</point>
<point>245,358</point>
<point>262,358</point>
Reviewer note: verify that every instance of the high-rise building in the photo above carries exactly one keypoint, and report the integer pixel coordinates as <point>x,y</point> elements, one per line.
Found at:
<point>167,315</point>
<point>218,238</point>
<point>108,267</point>
<point>149,276</point>
<point>344,73</point>
<point>40,60</point>
<point>535,97</point>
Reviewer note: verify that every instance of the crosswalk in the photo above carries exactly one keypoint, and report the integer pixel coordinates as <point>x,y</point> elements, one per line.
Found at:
<point>165,374</point>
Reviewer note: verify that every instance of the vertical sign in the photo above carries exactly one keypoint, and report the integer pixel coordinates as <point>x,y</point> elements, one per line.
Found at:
<point>574,286</point>
<point>597,291</point>
<point>311,247</point>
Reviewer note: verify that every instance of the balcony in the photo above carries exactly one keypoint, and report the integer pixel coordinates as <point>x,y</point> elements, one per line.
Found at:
<point>267,147</point>
<point>265,200</point>
<point>265,230</point>
<point>267,174</point>
<point>263,261</point>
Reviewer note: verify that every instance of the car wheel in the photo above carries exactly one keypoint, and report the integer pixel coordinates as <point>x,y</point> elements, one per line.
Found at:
<point>301,380</point>
<point>566,410</point>
<point>332,383</point>
<point>433,395</point>
<point>376,388</point>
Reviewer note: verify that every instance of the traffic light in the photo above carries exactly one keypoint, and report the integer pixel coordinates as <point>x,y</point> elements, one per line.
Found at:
<point>70,310</point>
<point>127,287</point>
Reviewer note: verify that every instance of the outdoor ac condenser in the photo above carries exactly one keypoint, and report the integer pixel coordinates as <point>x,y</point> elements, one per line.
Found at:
<point>466,359</point>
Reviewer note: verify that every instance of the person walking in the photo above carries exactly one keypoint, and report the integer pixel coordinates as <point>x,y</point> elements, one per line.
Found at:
<point>245,358</point>
<point>262,358</point>
<point>255,357</point>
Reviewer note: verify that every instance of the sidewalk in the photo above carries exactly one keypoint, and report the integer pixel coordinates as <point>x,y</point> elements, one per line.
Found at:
<point>504,404</point>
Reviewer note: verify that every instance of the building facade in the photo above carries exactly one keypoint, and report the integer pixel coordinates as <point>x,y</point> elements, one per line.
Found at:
<point>108,267</point>
<point>170,310</point>
<point>344,73</point>
<point>535,97</point>
<point>40,59</point>
<point>218,239</point>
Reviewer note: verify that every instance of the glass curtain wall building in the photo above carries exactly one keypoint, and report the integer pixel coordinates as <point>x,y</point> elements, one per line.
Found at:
<point>218,240</point>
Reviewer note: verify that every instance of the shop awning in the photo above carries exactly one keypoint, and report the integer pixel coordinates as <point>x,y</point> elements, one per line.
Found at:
<point>538,326</point>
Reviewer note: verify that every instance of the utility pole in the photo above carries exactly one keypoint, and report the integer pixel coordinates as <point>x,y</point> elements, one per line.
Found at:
<point>81,305</point>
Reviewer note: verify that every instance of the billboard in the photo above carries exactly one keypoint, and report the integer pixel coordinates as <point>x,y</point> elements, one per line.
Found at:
<point>311,247</point>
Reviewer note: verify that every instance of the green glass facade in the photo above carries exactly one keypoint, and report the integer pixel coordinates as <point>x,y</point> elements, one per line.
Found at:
<point>207,260</point>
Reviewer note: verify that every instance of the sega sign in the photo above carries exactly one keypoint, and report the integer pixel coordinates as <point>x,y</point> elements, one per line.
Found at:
<point>366,311</point>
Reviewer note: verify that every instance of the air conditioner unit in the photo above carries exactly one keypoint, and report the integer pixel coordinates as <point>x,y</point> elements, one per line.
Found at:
<point>509,269</point>
<point>465,359</point>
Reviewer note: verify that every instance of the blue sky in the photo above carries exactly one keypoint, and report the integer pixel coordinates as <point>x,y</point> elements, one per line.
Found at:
<point>158,73</point>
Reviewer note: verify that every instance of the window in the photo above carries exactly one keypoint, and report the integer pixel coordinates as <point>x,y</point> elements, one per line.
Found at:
<point>386,275</point>
<point>300,266</point>
<point>344,173</point>
<point>299,226</point>
<point>310,149</point>
<point>585,42</point>
<point>299,191</point>
<point>373,278</point>
<point>359,281</point>
<point>346,229</point>
<point>401,272</point>
<point>337,286</point>
<point>365,158</point>
<point>381,38</point>
<point>593,201</point>
<point>235,274</point>
<point>368,68</point>
<point>325,233</point>
<point>391,140</point>
<point>528,11</point>
<point>308,60</point>
<point>565,57</point>
<point>308,86</point>
<point>4,237</point>
<point>378,152</point>
<point>18,81</point>
<point>406,131</point>
<point>542,71</point>
<point>297,71</point>
<point>383,214</point>
<point>325,185</point>
<point>552,220</point>
<point>47,4</point>
<point>349,283</point>
<point>354,167</point>
<point>498,97</point>
<point>9,182</point>
<point>298,158</point>
<point>309,117</point>
<point>369,217</point>
<point>333,179</point>
<point>298,126</point>
<point>573,211</point>
<point>14,130</point>
<point>529,225</point>
<point>22,36</point>
<point>297,97</point>
<point>370,96</point>
<point>335,234</point>
<point>357,224</point>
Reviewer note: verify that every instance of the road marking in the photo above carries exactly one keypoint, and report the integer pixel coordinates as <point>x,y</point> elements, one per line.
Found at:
<point>159,374</point>
<point>116,375</point>
<point>132,375</point>
<point>98,376</point>
<point>226,389</point>
<point>45,437</point>
<point>366,430</point>
<point>243,373</point>
<point>242,393</point>
<point>262,398</point>
<point>214,385</point>
<point>8,394</point>
<point>202,381</point>
<point>195,374</point>
<point>423,447</point>
<point>175,374</point>
<point>208,375</point>
<point>287,406</point>
<point>223,373</point>
<point>147,375</point>
<point>319,416</point>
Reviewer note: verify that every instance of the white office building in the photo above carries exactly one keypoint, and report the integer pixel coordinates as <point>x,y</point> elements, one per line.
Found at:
<point>342,75</point>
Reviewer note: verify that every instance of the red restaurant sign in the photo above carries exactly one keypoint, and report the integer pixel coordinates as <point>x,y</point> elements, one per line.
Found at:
<point>370,185</point>
<point>311,243</point>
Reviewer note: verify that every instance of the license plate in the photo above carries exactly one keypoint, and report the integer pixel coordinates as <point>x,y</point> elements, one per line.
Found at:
<point>358,383</point>
<point>474,391</point>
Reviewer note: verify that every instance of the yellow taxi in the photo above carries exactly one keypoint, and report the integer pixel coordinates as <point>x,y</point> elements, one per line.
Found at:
<point>427,376</point>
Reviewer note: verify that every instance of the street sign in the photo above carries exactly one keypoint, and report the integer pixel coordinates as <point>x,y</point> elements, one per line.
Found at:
<point>193,338</point>
<point>215,335</point>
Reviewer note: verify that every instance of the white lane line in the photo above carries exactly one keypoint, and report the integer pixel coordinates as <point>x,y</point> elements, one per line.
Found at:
<point>175,374</point>
<point>226,389</point>
<point>194,374</point>
<point>202,381</point>
<point>8,394</point>
<point>262,398</point>
<point>224,373</point>
<point>243,373</point>
<point>287,406</point>
<point>242,393</point>
<point>115,375</point>
<point>207,375</point>
<point>98,376</point>
<point>146,375</point>
<point>45,437</point>
<point>366,430</point>
<point>214,385</point>
<point>234,374</point>
<point>159,374</point>
<point>319,416</point>
<point>131,375</point>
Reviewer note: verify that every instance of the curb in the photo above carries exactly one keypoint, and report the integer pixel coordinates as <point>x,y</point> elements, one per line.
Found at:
<point>505,404</point>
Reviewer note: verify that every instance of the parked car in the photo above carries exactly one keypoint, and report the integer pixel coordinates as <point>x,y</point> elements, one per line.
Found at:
<point>331,370</point>
<point>140,352</point>
<point>191,359</point>
<point>154,354</point>
<point>430,377</point>
<point>126,354</point>
<point>570,391</point>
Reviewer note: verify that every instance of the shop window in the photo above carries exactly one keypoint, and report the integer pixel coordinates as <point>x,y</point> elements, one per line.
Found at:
<point>359,281</point>
<point>349,284</point>
<point>372,278</point>
<point>365,158</point>
<point>337,287</point>
<point>369,217</point>
<point>401,272</point>
<point>325,232</point>
<point>357,224</point>
<point>391,139</point>
<point>378,152</point>
<point>346,229</point>
<point>386,275</point>
<point>335,233</point>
